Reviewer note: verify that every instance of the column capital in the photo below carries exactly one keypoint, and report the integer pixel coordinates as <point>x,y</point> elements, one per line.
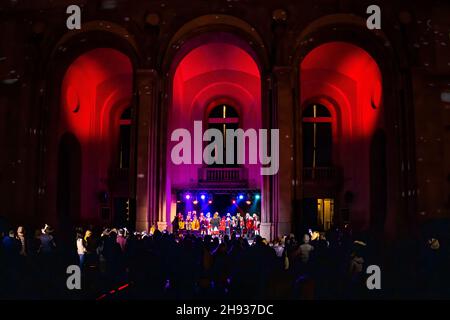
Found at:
<point>145,79</point>
<point>147,72</point>
<point>285,74</point>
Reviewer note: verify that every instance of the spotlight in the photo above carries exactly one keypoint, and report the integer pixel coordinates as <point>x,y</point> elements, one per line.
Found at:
<point>233,201</point>
<point>203,197</point>
<point>195,202</point>
<point>257,196</point>
<point>241,196</point>
<point>210,201</point>
<point>188,196</point>
<point>248,202</point>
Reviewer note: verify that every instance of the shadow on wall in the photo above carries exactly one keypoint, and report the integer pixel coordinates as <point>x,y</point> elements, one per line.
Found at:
<point>69,181</point>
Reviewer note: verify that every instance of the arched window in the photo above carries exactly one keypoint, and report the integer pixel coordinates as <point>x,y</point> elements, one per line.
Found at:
<point>223,117</point>
<point>125,139</point>
<point>317,138</point>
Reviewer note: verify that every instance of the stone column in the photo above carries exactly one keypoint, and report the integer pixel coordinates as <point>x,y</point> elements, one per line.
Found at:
<point>146,164</point>
<point>268,215</point>
<point>283,115</point>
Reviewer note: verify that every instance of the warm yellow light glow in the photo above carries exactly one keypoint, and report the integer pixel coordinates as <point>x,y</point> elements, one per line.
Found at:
<point>325,213</point>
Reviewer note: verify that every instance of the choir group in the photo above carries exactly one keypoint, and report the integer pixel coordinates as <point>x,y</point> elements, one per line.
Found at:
<point>248,226</point>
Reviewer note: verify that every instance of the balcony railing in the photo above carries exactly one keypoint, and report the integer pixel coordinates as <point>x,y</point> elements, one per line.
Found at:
<point>222,175</point>
<point>319,174</point>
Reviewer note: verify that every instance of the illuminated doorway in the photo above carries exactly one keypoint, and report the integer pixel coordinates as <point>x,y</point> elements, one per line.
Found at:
<point>325,213</point>
<point>318,213</point>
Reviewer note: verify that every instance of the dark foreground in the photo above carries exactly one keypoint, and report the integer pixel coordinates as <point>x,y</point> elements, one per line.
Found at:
<point>165,266</point>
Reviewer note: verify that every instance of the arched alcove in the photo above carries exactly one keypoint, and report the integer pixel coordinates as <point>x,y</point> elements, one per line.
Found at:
<point>348,79</point>
<point>216,70</point>
<point>95,90</point>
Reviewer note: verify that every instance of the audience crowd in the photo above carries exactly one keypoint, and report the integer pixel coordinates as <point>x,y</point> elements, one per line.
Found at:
<point>163,265</point>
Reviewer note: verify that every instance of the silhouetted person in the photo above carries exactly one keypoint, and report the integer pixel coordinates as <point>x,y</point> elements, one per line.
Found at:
<point>175,226</point>
<point>122,240</point>
<point>81,249</point>
<point>24,243</point>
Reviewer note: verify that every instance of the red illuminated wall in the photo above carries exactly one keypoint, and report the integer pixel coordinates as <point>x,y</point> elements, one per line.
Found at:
<point>213,73</point>
<point>96,88</point>
<point>347,80</point>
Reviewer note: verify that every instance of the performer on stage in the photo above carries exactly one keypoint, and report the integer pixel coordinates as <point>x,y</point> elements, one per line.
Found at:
<point>193,215</point>
<point>234,225</point>
<point>238,224</point>
<point>203,225</point>
<point>188,223</point>
<point>222,227</point>
<point>208,223</point>
<point>215,224</point>
<point>246,217</point>
<point>256,224</point>
<point>228,224</point>
<point>180,222</point>
<point>195,223</point>
<point>249,226</point>
<point>241,226</point>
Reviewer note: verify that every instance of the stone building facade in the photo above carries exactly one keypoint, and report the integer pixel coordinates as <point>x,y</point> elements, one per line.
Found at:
<point>364,115</point>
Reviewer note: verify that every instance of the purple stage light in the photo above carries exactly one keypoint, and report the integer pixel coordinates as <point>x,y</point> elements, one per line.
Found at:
<point>202,197</point>
<point>188,196</point>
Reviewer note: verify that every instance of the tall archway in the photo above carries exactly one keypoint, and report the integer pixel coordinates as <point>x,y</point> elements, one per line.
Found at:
<point>95,91</point>
<point>216,70</point>
<point>349,80</point>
